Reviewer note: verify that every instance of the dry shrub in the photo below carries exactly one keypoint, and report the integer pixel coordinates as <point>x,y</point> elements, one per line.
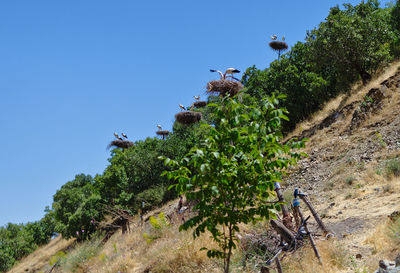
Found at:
<point>178,252</point>
<point>188,117</point>
<point>162,133</point>
<point>334,259</point>
<point>199,104</point>
<point>224,87</point>
<point>382,240</point>
<point>124,144</point>
<point>278,45</point>
<point>171,251</point>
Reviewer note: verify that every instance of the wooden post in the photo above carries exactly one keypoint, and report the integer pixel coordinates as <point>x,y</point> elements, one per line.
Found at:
<point>314,213</point>
<point>278,265</point>
<point>296,206</point>
<point>285,233</point>
<point>287,218</point>
<point>296,218</point>
<point>264,269</point>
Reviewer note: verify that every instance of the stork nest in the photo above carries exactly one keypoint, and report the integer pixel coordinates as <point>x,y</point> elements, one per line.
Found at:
<point>188,117</point>
<point>162,132</point>
<point>278,45</point>
<point>124,144</point>
<point>199,104</point>
<point>224,87</point>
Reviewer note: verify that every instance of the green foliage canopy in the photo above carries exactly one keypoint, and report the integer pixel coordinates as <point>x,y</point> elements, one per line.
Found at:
<point>352,42</point>
<point>231,174</point>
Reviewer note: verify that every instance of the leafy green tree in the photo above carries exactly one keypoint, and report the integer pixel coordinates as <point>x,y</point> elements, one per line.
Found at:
<point>75,205</point>
<point>395,16</point>
<point>231,173</point>
<point>42,230</point>
<point>352,42</point>
<point>395,22</point>
<point>292,75</point>
<point>134,174</point>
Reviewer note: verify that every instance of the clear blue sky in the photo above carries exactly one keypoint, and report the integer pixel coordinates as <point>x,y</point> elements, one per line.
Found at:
<point>73,72</point>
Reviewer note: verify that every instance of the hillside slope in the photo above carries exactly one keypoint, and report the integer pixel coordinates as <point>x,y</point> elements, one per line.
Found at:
<point>352,141</point>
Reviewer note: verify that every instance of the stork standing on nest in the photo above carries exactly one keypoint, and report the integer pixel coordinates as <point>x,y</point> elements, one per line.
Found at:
<point>159,127</point>
<point>117,136</point>
<point>274,37</point>
<point>231,71</point>
<point>196,97</point>
<point>182,107</point>
<point>124,136</point>
<point>219,72</point>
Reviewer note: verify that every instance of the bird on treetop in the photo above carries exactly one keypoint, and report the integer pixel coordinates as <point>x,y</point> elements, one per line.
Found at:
<point>182,107</point>
<point>125,136</point>
<point>117,136</point>
<point>231,71</point>
<point>196,97</point>
<point>159,127</point>
<point>219,72</point>
<point>274,37</point>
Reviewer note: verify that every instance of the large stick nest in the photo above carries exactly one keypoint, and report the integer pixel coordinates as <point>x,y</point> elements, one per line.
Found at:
<point>188,117</point>
<point>224,87</point>
<point>199,104</point>
<point>278,45</point>
<point>124,144</point>
<point>162,132</point>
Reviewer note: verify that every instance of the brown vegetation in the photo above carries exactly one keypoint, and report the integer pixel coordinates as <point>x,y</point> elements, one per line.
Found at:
<point>124,144</point>
<point>224,87</point>
<point>188,117</point>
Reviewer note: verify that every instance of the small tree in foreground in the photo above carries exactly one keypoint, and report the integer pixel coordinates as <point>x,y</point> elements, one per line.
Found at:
<point>231,174</point>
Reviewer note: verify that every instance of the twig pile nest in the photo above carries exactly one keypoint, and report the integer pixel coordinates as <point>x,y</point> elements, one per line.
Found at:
<point>162,132</point>
<point>199,104</point>
<point>124,144</point>
<point>224,87</point>
<point>278,45</point>
<point>188,117</point>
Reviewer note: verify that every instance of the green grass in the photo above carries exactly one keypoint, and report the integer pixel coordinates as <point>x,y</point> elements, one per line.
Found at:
<point>80,254</point>
<point>350,180</point>
<point>392,167</point>
<point>394,231</point>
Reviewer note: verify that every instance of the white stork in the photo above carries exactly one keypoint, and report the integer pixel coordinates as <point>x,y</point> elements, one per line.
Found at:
<point>274,37</point>
<point>182,107</point>
<point>159,127</point>
<point>231,71</point>
<point>117,136</point>
<point>123,135</point>
<point>219,72</point>
<point>196,97</point>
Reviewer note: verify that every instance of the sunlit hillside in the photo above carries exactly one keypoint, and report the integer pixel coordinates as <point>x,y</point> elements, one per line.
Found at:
<point>352,176</point>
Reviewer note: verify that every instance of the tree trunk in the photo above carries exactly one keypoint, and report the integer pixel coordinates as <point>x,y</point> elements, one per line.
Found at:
<point>228,258</point>
<point>365,76</point>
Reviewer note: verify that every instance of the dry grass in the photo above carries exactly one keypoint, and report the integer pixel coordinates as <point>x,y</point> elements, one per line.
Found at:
<point>41,257</point>
<point>334,258</point>
<point>353,187</point>
<point>173,251</point>
<point>385,241</point>
<point>357,93</point>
